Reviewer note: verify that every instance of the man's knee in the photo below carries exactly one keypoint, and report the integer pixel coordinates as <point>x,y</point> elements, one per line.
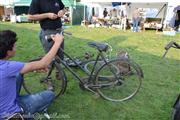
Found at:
<point>48,95</point>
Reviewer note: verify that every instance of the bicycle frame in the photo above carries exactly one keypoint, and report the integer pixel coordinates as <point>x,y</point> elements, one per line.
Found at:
<point>90,75</point>
<point>100,54</point>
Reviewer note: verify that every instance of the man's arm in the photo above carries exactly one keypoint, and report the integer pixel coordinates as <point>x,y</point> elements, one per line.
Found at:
<point>47,59</point>
<point>42,16</point>
<point>34,12</point>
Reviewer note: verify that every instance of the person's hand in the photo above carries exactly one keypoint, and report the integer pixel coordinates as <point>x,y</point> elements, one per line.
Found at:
<point>61,13</point>
<point>57,38</point>
<point>43,70</point>
<point>52,16</point>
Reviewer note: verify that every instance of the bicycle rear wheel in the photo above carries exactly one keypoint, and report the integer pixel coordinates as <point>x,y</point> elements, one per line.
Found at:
<point>89,66</point>
<point>121,86</point>
<point>54,80</point>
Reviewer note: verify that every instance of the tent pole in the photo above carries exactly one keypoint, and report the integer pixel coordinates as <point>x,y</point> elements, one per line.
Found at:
<point>84,13</point>
<point>164,16</point>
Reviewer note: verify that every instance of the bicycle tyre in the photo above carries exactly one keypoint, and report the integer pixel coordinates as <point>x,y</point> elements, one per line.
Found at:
<point>37,81</point>
<point>89,65</point>
<point>119,91</point>
<point>176,114</point>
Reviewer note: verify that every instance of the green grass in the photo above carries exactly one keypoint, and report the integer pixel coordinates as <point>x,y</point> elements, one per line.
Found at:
<point>160,86</point>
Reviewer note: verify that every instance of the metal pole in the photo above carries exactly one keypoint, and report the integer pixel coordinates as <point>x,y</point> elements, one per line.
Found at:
<point>84,13</point>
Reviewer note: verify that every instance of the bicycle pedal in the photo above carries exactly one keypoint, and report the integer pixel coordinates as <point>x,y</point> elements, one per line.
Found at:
<point>48,85</point>
<point>42,80</point>
<point>96,95</point>
<point>45,79</point>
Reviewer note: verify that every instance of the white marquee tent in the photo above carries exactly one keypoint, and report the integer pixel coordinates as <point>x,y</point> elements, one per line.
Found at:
<point>165,12</point>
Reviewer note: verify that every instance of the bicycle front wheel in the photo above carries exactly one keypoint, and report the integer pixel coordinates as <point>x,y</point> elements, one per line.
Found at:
<point>53,79</point>
<point>121,86</point>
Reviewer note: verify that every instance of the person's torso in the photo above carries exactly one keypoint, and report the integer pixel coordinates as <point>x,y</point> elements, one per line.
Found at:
<point>105,13</point>
<point>136,14</point>
<point>50,6</point>
<point>8,102</point>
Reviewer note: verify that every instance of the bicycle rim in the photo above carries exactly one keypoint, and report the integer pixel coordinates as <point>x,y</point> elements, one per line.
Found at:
<point>176,114</point>
<point>38,81</point>
<point>121,86</point>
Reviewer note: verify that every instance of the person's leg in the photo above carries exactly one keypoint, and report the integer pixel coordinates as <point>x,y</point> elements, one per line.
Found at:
<point>124,23</point>
<point>36,102</point>
<point>47,45</point>
<point>134,24</point>
<point>19,81</point>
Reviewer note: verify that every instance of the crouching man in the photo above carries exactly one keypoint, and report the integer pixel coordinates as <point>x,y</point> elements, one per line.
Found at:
<point>11,78</point>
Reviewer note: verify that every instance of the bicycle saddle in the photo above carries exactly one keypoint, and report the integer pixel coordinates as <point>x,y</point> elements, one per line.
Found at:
<point>100,46</point>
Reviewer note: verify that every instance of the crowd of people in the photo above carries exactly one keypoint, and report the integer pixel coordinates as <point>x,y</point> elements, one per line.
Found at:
<point>118,17</point>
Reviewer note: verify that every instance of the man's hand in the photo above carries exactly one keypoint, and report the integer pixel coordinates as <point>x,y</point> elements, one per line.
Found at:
<point>43,70</point>
<point>52,16</point>
<point>57,38</point>
<point>61,13</point>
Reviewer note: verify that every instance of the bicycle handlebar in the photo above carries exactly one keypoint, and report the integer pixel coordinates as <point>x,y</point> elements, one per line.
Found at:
<point>169,45</point>
<point>177,45</point>
<point>48,37</point>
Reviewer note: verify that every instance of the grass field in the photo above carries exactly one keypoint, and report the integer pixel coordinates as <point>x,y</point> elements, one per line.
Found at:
<point>161,83</point>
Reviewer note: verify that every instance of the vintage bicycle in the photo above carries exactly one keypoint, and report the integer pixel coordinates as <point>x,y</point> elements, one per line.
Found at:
<point>103,76</point>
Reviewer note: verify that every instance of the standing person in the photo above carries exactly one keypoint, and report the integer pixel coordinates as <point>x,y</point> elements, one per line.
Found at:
<point>11,78</point>
<point>177,20</point>
<point>105,13</point>
<point>48,13</point>
<point>136,17</point>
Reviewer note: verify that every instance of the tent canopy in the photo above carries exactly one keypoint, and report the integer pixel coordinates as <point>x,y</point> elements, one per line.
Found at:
<point>23,3</point>
<point>67,3</point>
<point>133,1</point>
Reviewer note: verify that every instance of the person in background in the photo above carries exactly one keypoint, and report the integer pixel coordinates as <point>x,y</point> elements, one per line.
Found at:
<point>11,78</point>
<point>135,19</point>
<point>105,13</point>
<point>113,13</point>
<point>177,20</point>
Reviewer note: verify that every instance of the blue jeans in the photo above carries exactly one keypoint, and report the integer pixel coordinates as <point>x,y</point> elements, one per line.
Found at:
<point>135,24</point>
<point>33,103</point>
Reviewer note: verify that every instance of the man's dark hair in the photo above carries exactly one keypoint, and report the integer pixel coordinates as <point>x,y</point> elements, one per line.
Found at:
<point>7,40</point>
